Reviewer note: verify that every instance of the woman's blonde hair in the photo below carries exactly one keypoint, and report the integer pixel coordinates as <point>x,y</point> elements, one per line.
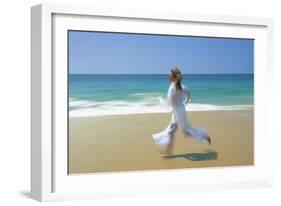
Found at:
<point>178,77</point>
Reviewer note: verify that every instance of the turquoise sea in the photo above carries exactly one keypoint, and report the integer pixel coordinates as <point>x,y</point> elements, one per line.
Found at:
<point>98,94</point>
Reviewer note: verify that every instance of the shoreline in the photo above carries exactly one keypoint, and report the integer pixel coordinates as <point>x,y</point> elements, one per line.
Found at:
<point>124,143</point>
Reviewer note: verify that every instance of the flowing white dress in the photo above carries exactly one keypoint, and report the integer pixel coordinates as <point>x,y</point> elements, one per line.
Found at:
<point>176,99</point>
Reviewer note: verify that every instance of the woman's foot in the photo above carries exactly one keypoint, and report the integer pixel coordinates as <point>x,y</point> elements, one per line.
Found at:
<point>166,152</point>
<point>209,140</point>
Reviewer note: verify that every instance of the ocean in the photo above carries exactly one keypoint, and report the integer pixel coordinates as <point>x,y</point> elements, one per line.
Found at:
<point>102,94</point>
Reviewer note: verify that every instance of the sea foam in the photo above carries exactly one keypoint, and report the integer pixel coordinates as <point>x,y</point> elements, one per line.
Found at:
<point>82,108</point>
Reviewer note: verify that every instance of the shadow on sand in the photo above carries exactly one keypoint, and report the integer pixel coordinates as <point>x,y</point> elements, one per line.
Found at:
<point>203,156</point>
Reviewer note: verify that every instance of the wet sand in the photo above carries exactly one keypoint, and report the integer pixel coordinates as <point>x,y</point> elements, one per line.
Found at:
<point>124,142</point>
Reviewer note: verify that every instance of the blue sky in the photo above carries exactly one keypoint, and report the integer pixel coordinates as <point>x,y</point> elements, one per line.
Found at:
<point>111,53</point>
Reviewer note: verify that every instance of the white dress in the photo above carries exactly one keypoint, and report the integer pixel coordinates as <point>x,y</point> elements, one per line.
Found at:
<point>176,99</point>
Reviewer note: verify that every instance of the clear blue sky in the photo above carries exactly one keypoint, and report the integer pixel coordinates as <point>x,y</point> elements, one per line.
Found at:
<point>111,53</point>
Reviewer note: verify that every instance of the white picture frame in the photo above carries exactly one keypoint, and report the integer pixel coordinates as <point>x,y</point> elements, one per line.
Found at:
<point>49,179</point>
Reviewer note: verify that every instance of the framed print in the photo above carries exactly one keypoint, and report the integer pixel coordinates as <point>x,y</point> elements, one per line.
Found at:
<point>138,102</point>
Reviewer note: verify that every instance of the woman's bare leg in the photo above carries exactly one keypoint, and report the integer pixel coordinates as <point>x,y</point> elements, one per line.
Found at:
<point>169,149</point>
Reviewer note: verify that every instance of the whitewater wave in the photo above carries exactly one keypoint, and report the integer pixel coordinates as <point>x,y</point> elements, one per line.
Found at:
<point>82,108</point>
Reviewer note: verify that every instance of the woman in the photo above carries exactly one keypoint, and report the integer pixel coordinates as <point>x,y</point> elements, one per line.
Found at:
<point>178,95</point>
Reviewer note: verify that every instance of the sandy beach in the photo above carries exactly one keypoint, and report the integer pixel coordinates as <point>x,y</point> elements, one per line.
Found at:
<point>124,142</point>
